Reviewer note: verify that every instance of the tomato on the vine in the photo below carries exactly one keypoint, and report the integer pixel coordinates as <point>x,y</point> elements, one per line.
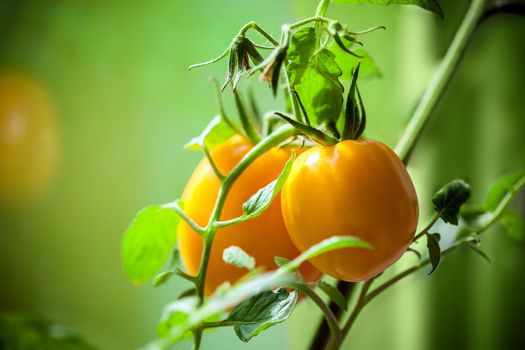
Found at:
<point>28,145</point>
<point>358,188</point>
<point>263,237</point>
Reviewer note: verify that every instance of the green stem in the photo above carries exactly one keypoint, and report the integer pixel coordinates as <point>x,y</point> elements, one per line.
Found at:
<point>264,145</point>
<point>425,230</point>
<point>322,7</point>
<point>253,25</point>
<point>440,80</point>
<point>333,324</point>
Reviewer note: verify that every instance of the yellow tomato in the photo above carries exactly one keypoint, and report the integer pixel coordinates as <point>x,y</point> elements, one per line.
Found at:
<point>358,188</point>
<point>263,237</point>
<point>28,147</point>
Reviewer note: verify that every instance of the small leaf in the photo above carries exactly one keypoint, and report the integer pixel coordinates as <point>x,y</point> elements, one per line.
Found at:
<point>334,294</point>
<point>148,242</point>
<point>213,135</point>
<point>434,251</point>
<point>448,200</point>
<point>237,257</point>
<point>507,186</point>
<point>514,226</point>
<point>188,293</point>
<point>262,311</point>
<point>327,245</point>
<point>162,277</point>
<point>176,317</point>
<point>260,201</point>
<point>429,5</point>
<point>280,261</point>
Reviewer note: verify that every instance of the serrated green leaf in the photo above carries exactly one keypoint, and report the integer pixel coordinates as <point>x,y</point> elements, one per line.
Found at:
<point>434,251</point>
<point>237,257</point>
<point>430,5</point>
<point>347,62</point>
<point>213,135</point>
<point>448,200</point>
<point>148,242</point>
<point>260,201</point>
<point>315,76</point>
<point>506,186</point>
<point>262,311</point>
<point>334,294</point>
<point>514,226</point>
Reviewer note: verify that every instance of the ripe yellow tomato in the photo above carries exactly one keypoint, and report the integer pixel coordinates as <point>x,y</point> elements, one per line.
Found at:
<point>263,237</point>
<point>28,149</point>
<point>358,188</point>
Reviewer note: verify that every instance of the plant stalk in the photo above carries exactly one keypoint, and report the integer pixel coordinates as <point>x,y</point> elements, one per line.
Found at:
<point>441,78</point>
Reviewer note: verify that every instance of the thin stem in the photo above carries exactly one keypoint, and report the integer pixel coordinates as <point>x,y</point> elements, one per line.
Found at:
<point>333,324</point>
<point>301,23</point>
<point>247,124</point>
<point>230,222</point>
<point>440,80</point>
<point>177,208</point>
<point>212,163</point>
<point>425,230</point>
<point>197,337</point>
<point>253,25</point>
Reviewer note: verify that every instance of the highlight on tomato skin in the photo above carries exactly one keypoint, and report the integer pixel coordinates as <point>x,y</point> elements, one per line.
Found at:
<point>263,237</point>
<point>28,139</point>
<point>359,188</point>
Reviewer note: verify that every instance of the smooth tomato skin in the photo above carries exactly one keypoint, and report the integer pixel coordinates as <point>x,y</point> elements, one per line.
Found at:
<point>359,188</point>
<point>28,139</point>
<point>263,237</point>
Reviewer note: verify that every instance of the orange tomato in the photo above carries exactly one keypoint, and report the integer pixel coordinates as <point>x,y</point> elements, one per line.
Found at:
<point>358,188</point>
<point>263,237</point>
<point>28,149</point>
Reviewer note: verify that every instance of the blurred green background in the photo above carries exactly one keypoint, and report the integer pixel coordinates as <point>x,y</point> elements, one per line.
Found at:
<point>125,103</point>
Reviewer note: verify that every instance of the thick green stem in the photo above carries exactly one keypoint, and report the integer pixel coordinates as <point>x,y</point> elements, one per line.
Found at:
<point>440,80</point>
<point>322,7</point>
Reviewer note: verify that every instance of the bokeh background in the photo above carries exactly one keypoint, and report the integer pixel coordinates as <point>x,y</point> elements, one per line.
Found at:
<point>124,103</point>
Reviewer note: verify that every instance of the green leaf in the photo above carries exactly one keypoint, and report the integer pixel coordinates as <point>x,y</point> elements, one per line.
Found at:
<point>260,201</point>
<point>213,135</point>
<point>448,200</point>
<point>315,76</point>
<point>148,242</point>
<point>334,294</point>
<point>237,257</point>
<point>162,277</point>
<point>505,187</point>
<point>430,5</point>
<point>262,311</point>
<point>280,261</point>
<point>329,244</point>
<point>347,62</point>
<point>514,226</point>
<point>175,318</point>
<point>434,251</point>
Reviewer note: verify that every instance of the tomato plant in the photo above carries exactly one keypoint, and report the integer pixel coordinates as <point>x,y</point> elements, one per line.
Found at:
<point>359,188</point>
<point>263,237</point>
<point>347,202</point>
<point>28,144</point>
